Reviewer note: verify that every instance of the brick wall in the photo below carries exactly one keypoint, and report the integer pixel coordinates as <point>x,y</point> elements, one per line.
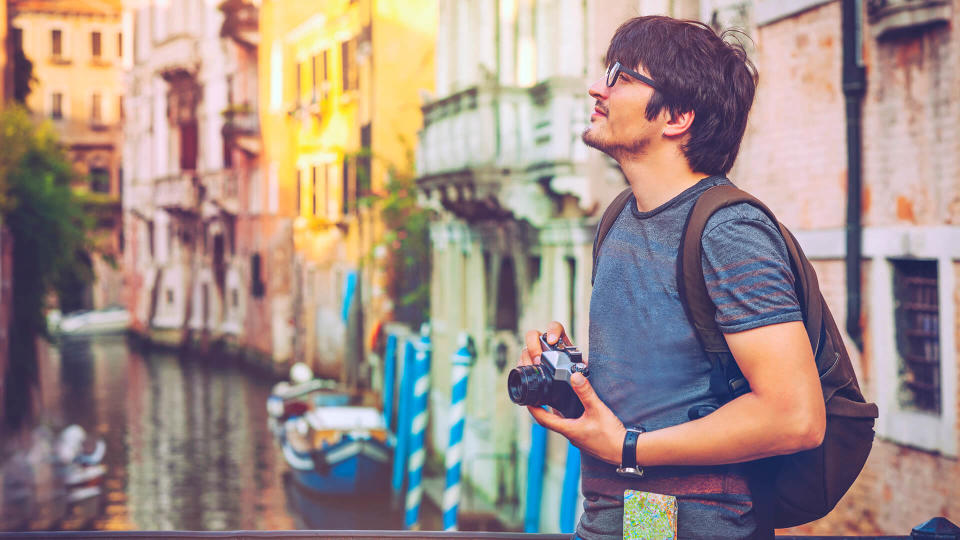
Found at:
<point>794,158</point>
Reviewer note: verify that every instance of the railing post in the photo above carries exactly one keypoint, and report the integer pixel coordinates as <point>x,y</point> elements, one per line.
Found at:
<point>454,455</point>
<point>418,429</point>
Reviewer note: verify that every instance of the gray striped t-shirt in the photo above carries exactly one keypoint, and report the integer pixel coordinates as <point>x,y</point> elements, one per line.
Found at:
<point>647,365</point>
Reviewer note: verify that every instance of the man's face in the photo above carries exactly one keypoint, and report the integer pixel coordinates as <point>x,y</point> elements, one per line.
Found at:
<point>618,124</point>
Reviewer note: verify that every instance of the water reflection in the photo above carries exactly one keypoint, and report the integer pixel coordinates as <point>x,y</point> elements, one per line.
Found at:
<point>187,444</point>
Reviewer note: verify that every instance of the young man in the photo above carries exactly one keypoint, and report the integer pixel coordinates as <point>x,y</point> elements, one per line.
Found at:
<point>672,111</point>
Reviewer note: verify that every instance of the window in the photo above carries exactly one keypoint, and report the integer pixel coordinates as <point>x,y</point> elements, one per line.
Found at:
<point>347,193</point>
<point>314,80</point>
<point>99,180</point>
<point>364,169</point>
<point>313,190</point>
<point>348,51</point>
<point>256,271</point>
<point>299,192</point>
<point>119,45</point>
<point>917,317</point>
<point>120,113</point>
<point>56,45</point>
<point>56,106</point>
<point>95,47</point>
<point>325,87</point>
<point>95,110</point>
<point>298,88</point>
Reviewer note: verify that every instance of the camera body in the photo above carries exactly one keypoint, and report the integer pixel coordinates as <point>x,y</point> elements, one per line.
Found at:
<point>548,383</point>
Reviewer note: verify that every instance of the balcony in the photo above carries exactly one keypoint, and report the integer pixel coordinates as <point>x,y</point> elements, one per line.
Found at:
<point>241,126</point>
<point>486,151</point>
<point>176,56</point>
<point>240,22</point>
<point>178,193</point>
<point>888,17</point>
<point>221,189</point>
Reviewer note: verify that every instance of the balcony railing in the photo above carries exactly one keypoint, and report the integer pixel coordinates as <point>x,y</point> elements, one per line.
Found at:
<point>241,122</point>
<point>178,192</point>
<point>221,189</point>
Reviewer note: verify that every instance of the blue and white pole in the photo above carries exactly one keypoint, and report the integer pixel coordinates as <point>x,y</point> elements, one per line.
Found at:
<point>418,430</point>
<point>402,450</point>
<point>454,456</point>
<point>389,379</point>
<point>571,490</point>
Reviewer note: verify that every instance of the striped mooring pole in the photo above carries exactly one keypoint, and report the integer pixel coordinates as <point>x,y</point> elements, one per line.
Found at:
<point>454,456</point>
<point>402,450</point>
<point>418,428</point>
<point>389,380</point>
<point>571,490</point>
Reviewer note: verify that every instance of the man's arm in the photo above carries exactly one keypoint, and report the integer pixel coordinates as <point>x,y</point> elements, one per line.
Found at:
<point>784,412</point>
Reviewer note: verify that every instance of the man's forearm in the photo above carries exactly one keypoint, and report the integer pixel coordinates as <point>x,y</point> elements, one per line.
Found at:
<point>744,429</point>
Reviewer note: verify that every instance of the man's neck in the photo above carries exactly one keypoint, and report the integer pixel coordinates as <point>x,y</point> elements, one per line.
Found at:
<point>656,181</point>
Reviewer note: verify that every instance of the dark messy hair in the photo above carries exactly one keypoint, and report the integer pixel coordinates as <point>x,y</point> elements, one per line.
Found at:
<point>695,70</point>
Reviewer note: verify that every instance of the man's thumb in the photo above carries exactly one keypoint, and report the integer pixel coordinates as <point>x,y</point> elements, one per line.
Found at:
<point>582,387</point>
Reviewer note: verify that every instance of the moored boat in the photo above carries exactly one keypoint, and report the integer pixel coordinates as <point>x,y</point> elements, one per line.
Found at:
<point>331,447</point>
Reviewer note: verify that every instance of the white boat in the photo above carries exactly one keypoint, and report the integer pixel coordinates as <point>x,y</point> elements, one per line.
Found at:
<point>101,321</point>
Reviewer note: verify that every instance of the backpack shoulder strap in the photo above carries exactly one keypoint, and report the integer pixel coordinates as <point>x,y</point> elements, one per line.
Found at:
<point>694,296</point>
<point>609,216</point>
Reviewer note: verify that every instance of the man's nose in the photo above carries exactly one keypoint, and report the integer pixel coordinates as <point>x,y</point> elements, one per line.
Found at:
<point>599,89</point>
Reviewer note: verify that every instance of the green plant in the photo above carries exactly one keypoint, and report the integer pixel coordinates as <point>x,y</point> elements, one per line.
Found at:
<point>50,245</point>
<point>405,245</point>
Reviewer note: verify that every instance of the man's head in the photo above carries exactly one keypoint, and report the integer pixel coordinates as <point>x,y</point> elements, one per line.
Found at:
<point>701,93</point>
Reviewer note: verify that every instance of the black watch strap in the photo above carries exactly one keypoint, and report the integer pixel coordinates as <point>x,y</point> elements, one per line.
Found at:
<point>628,459</point>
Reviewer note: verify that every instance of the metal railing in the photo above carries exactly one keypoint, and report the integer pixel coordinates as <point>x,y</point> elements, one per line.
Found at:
<point>936,528</point>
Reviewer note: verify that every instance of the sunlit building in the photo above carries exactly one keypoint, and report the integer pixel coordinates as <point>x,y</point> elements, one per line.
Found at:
<point>76,48</point>
<point>340,109</point>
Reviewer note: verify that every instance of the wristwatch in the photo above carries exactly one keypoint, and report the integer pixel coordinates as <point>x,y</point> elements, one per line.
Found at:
<point>628,459</point>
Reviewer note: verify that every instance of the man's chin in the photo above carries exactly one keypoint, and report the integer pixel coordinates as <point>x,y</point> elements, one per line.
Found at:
<point>592,140</point>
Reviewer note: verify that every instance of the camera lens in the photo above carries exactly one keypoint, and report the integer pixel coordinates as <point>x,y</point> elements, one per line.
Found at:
<point>527,385</point>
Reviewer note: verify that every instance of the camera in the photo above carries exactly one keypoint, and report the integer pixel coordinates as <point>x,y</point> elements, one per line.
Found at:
<point>548,383</point>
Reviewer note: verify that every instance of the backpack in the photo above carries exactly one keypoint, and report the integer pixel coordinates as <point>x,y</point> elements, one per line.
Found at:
<point>797,488</point>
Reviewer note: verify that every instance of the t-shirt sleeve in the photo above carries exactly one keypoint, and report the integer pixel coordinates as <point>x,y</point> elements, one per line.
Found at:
<point>747,271</point>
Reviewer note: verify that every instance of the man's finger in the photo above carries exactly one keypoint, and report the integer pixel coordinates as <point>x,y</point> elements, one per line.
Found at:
<point>525,358</point>
<point>585,391</point>
<point>532,341</point>
<point>555,332</point>
<point>549,420</point>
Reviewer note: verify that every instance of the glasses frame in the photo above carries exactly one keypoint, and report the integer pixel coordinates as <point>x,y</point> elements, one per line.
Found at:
<point>617,68</point>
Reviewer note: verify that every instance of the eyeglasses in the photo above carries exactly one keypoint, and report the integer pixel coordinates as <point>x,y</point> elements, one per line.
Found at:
<point>613,73</point>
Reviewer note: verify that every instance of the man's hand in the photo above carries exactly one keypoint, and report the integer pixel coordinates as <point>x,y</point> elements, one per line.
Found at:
<point>598,431</point>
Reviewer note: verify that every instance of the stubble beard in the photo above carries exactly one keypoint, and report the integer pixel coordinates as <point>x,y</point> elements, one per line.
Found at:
<point>618,151</point>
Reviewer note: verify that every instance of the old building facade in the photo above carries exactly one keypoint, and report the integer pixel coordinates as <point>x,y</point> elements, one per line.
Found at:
<point>190,91</point>
<point>76,48</point>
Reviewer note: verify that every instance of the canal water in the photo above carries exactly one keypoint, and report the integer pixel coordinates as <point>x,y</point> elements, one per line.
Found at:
<point>187,442</point>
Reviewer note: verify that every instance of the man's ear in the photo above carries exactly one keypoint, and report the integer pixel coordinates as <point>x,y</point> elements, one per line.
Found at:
<point>678,124</point>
